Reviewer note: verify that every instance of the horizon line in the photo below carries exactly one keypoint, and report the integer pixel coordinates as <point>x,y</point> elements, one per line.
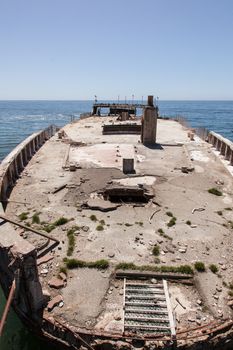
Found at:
<point>127,101</point>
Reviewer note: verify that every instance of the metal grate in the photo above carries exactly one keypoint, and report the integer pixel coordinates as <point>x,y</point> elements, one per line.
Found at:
<point>147,309</point>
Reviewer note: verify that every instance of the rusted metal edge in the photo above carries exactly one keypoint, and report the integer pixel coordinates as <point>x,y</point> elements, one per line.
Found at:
<point>151,274</point>
<point>211,329</point>
<point>7,307</point>
<point>6,218</point>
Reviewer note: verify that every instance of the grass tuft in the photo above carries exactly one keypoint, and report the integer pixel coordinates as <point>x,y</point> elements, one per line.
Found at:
<point>188,222</point>
<point>71,240</point>
<point>213,268</point>
<point>36,218</point>
<point>140,223</point>
<point>93,217</point>
<point>169,213</point>
<point>98,264</point>
<point>215,191</point>
<point>99,228</point>
<point>63,269</point>
<point>186,269</point>
<point>199,266</point>
<point>23,216</point>
<point>61,221</point>
<point>49,227</point>
<point>156,250</point>
<point>172,222</point>
<point>164,235</point>
<point>126,266</point>
<point>71,245</point>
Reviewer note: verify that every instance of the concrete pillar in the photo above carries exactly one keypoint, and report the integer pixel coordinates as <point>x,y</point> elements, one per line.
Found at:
<point>124,116</point>
<point>150,100</point>
<point>24,156</point>
<point>210,139</point>
<point>231,157</point>
<point>29,151</point>
<point>15,170</point>
<point>4,189</point>
<point>19,161</point>
<point>149,123</point>
<point>10,176</point>
<point>40,140</point>
<point>218,146</point>
<point>33,146</point>
<point>46,134</point>
<point>228,153</point>
<point>36,143</point>
<point>215,142</point>
<point>223,149</point>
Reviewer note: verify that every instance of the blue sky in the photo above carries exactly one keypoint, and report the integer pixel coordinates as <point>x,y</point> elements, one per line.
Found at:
<point>74,49</point>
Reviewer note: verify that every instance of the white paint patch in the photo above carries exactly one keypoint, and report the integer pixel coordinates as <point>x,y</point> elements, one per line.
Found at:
<point>101,155</point>
<point>134,181</point>
<point>199,169</point>
<point>140,158</point>
<point>227,199</point>
<point>199,156</point>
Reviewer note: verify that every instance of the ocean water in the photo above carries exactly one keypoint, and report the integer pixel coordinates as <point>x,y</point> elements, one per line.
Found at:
<point>18,119</point>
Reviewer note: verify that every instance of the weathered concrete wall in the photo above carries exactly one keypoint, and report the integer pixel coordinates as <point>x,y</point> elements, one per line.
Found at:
<point>15,162</point>
<point>18,261</point>
<point>223,145</point>
<point>17,256</point>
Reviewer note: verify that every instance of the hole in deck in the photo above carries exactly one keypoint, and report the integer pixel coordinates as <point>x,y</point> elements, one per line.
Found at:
<point>130,194</point>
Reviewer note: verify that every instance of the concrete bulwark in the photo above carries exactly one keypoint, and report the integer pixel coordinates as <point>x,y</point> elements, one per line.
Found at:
<point>19,252</point>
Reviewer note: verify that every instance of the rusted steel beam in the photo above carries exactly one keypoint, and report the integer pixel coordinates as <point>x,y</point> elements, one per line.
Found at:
<point>119,336</point>
<point>151,274</point>
<point>5,218</point>
<point>7,307</point>
<point>203,326</point>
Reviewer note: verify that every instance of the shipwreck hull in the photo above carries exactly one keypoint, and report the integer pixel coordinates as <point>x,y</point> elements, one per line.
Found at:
<point>19,263</point>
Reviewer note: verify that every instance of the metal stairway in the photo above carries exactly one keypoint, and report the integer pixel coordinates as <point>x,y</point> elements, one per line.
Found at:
<point>147,309</point>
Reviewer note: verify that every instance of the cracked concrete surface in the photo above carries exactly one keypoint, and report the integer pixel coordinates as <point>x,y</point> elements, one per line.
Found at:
<point>128,234</point>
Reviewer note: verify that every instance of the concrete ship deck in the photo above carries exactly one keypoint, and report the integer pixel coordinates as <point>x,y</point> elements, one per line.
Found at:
<point>74,188</point>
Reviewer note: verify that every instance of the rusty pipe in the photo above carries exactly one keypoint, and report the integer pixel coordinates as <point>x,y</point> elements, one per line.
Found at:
<point>5,218</point>
<point>7,307</point>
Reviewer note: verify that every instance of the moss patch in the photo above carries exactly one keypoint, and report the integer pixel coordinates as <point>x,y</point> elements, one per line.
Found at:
<point>199,266</point>
<point>61,221</point>
<point>213,268</point>
<point>215,191</point>
<point>36,218</point>
<point>156,250</point>
<point>23,216</point>
<point>175,269</point>
<point>75,263</point>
